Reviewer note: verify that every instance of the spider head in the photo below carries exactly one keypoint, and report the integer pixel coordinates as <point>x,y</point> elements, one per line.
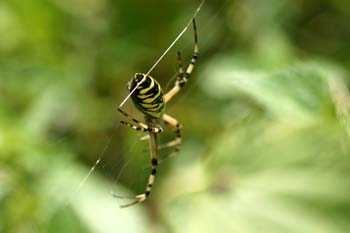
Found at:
<point>134,81</point>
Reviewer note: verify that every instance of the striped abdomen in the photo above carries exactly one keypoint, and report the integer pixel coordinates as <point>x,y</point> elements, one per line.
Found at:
<point>148,96</point>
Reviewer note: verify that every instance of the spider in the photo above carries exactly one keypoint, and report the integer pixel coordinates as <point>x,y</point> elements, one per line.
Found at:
<point>149,99</point>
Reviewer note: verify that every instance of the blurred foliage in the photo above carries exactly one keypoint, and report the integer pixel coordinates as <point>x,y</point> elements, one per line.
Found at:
<point>265,114</point>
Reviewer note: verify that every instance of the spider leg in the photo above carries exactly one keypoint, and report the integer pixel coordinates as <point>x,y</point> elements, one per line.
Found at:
<point>183,77</point>
<point>154,162</point>
<point>176,127</point>
<point>179,62</point>
<point>139,126</point>
<point>144,138</point>
<point>136,200</point>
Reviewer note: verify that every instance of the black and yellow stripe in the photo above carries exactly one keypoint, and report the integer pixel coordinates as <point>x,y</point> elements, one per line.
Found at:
<point>148,96</point>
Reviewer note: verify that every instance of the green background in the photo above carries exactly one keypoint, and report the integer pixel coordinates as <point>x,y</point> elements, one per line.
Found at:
<point>266,139</point>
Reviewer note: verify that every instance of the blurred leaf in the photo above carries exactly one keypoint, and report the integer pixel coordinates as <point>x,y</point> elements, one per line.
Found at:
<point>283,171</point>
<point>92,205</point>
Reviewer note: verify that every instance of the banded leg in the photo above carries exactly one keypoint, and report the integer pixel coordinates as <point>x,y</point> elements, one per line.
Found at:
<point>182,77</point>
<point>176,127</point>
<point>154,162</point>
<point>181,69</point>
<point>139,125</point>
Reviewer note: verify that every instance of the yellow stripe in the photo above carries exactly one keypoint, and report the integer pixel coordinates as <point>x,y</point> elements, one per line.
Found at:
<point>144,96</point>
<point>157,108</point>
<point>154,114</point>
<point>153,107</point>
<point>150,100</point>
<point>146,106</point>
<point>145,90</point>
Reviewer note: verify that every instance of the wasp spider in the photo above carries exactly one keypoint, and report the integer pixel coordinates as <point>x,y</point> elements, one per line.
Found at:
<point>149,98</point>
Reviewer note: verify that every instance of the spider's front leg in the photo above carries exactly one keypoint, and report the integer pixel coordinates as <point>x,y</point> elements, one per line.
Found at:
<point>183,77</point>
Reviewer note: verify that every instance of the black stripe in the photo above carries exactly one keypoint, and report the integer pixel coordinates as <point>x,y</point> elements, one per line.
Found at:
<point>153,97</point>
<point>146,83</point>
<point>154,90</point>
<point>155,110</point>
<point>154,162</point>
<point>181,83</point>
<point>151,93</point>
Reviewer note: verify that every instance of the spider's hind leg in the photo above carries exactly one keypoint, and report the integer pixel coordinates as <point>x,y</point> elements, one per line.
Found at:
<point>176,127</point>
<point>154,163</point>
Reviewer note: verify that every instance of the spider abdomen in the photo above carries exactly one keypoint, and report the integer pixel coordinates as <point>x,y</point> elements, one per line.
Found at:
<point>148,96</point>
